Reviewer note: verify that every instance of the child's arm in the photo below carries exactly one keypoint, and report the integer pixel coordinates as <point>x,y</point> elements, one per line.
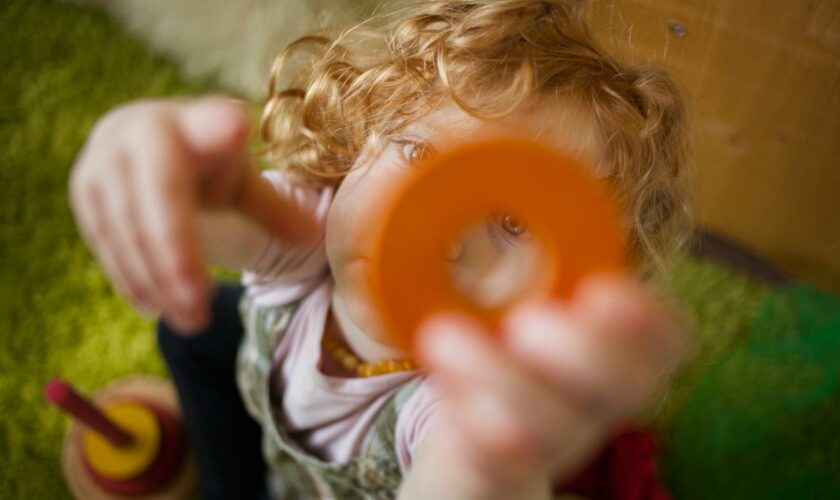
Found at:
<point>442,469</point>
<point>149,173</point>
<point>537,402</point>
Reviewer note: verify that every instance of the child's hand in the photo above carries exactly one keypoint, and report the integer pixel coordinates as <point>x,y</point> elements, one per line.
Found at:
<point>535,406</point>
<point>138,184</point>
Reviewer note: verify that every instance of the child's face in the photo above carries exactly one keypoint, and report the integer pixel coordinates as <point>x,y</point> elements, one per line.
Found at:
<point>557,123</point>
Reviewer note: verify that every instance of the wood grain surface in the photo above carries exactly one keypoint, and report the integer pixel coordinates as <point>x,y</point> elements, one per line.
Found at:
<point>762,79</point>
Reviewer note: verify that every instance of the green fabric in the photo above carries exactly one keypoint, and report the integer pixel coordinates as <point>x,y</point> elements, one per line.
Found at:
<point>768,409</point>
<point>293,472</point>
<point>62,67</point>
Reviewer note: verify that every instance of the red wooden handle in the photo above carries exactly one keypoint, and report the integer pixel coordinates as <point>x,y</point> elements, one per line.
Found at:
<point>64,396</point>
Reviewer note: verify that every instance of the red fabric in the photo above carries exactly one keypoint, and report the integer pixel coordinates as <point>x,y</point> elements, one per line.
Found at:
<point>626,469</point>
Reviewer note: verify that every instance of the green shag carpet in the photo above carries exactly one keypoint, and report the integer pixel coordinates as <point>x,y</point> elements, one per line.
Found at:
<point>749,417</point>
<point>60,69</point>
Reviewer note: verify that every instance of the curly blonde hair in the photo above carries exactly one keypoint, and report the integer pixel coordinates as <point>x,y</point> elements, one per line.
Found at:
<point>369,82</point>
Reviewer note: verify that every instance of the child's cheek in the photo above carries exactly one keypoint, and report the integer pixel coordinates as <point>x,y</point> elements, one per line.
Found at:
<point>349,246</point>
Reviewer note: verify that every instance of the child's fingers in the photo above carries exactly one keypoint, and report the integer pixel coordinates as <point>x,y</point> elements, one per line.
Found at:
<point>645,339</point>
<point>125,239</point>
<point>132,245</point>
<point>563,350</point>
<point>135,246</point>
<point>216,131</point>
<point>501,430</point>
<point>97,231</point>
<point>103,195</point>
<point>503,406</point>
<point>212,126</point>
<point>608,343</point>
<point>636,315</point>
<point>167,208</point>
<point>89,199</point>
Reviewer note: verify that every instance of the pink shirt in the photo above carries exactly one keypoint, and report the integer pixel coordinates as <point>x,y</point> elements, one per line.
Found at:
<point>330,416</point>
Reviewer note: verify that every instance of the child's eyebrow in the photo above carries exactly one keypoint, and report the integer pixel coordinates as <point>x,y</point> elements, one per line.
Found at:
<point>439,131</point>
<point>419,130</point>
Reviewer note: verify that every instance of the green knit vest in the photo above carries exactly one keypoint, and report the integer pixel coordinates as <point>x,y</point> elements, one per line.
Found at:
<point>293,472</point>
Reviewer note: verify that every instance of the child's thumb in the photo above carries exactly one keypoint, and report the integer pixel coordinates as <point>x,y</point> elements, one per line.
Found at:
<point>213,127</point>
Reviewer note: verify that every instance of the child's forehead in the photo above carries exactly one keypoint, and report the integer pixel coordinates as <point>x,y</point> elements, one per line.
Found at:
<point>561,123</point>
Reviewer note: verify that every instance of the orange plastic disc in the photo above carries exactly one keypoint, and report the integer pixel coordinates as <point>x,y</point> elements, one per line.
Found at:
<point>571,216</point>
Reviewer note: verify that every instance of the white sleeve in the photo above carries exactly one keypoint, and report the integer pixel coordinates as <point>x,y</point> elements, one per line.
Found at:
<point>416,418</point>
<point>286,272</point>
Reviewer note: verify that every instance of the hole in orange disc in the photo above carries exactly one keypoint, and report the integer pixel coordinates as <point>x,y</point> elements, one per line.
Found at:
<point>494,260</point>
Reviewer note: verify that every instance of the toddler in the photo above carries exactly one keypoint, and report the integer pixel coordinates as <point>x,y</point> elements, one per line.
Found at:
<point>163,187</point>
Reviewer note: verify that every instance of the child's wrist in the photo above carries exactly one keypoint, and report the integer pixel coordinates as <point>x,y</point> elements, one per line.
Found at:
<point>482,477</point>
<point>532,487</point>
<point>537,487</point>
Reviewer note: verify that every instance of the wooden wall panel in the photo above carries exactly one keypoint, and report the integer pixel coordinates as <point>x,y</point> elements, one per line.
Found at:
<point>763,81</point>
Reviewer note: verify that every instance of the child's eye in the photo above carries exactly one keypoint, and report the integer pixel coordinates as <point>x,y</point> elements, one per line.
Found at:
<point>512,227</point>
<point>414,151</point>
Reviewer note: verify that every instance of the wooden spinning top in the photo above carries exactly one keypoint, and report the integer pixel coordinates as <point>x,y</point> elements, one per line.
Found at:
<point>127,442</point>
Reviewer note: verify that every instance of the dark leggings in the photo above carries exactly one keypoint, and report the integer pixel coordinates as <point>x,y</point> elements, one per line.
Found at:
<point>224,438</point>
